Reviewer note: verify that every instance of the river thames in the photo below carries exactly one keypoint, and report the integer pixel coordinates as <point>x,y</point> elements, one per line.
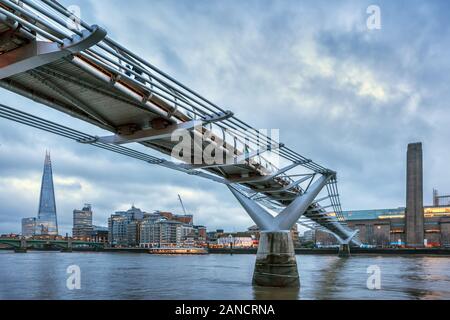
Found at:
<point>42,275</point>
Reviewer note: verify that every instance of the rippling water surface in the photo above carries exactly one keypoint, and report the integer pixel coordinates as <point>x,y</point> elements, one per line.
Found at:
<point>42,275</point>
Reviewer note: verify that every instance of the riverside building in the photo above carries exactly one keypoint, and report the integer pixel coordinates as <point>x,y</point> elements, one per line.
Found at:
<point>133,228</point>
<point>160,233</point>
<point>82,222</point>
<point>387,227</point>
<point>412,226</point>
<point>29,227</point>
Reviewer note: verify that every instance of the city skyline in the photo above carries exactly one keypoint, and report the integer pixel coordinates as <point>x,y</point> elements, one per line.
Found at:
<point>82,218</point>
<point>383,109</point>
<point>47,187</point>
<point>46,221</point>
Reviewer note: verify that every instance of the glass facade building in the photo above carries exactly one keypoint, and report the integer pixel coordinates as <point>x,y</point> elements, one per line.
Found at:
<point>47,222</point>
<point>117,230</point>
<point>158,229</point>
<point>82,222</point>
<point>28,227</point>
<point>118,227</point>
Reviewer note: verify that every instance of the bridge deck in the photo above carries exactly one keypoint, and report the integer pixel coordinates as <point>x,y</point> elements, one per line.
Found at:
<point>84,73</point>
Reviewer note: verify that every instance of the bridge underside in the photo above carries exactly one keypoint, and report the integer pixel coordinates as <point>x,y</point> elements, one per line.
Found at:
<point>82,72</point>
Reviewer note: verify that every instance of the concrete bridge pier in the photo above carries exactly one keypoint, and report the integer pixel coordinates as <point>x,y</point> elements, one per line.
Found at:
<point>69,246</point>
<point>276,264</point>
<point>23,246</point>
<point>344,250</point>
<point>344,245</point>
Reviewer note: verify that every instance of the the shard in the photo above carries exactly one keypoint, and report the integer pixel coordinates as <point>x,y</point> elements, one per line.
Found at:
<point>47,223</point>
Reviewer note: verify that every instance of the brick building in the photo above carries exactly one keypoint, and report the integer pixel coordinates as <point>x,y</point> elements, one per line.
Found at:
<point>387,227</point>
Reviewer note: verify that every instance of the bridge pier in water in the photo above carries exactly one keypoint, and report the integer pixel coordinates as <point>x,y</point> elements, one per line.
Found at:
<point>23,246</point>
<point>69,245</point>
<point>276,264</point>
<point>344,250</point>
<point>344,245</point>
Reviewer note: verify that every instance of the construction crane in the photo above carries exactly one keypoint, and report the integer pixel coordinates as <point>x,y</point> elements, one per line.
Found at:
<point>182,205</point>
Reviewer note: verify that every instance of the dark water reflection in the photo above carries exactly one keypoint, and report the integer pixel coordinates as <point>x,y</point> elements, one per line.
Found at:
<point>42,275</point>
<point>262,293</point>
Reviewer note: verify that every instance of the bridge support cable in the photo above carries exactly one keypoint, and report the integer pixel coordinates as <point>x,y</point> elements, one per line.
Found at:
<point>52,127</point>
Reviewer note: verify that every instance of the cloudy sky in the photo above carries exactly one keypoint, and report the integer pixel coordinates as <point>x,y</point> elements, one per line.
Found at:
<point>348,97</point>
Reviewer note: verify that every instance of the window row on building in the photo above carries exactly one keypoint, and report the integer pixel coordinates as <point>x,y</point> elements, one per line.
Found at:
<point>134,228</point>
<point>387,227</point>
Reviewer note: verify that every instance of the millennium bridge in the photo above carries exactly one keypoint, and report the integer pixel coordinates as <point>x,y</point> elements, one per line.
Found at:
<point>58,60</point>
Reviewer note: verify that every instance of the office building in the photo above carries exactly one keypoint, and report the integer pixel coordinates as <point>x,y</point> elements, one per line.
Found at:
<point>200,234</point>
<point>118,226</point>
<point>212,236</point>
<point>47,223</point>
<point>187,235</point>
<point>185,219</point>
<point>158,229</point>
<point>117,230</point>
<point>82,222</point>
<point>29,227</point>
<point>308,236</point>
<point>134,233</point>
<point>160,233</point>
<point>440,200</point>
<point>99,234</point>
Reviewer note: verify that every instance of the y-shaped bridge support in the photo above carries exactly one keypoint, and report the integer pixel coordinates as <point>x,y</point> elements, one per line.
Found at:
<point>276,265</point>
<point>344,245</point>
